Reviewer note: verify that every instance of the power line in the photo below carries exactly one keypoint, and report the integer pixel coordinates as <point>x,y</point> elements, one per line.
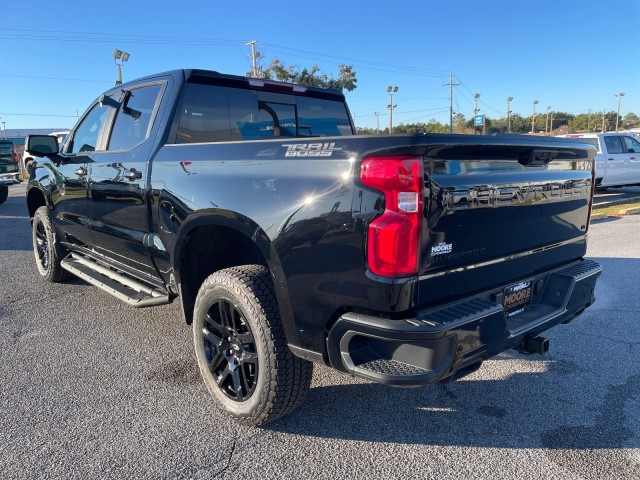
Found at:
<point>55,78</point>
<point>103,37</point>
<point>38,115</point>
<point>439,73</point>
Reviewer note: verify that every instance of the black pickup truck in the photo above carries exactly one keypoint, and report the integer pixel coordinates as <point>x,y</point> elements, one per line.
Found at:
<point>288,240</point>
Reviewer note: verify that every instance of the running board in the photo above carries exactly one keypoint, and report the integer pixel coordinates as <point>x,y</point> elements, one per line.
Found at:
<point>130,291</point>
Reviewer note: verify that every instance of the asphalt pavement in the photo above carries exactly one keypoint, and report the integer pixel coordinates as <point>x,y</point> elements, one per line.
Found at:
<point>91,388</point>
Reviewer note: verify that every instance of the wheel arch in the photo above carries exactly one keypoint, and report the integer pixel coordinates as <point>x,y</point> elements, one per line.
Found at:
<point>211,240</point>
<point>35,199</point>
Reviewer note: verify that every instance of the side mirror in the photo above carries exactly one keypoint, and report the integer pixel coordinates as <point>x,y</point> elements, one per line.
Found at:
<point>42,145</point>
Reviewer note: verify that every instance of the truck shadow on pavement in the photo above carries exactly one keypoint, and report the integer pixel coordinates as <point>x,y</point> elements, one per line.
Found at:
<point>521,411</point>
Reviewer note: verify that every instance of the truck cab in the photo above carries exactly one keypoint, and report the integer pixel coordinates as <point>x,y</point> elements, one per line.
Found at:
<point>617,159</point>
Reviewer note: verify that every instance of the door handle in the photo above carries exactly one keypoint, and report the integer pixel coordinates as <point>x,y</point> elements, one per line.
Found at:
<point>610,158</point>
<point>133,174</point>
<point>81,171</point>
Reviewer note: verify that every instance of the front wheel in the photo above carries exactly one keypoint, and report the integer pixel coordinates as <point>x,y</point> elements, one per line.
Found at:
<point>241,347</point>
<point>46,248</point>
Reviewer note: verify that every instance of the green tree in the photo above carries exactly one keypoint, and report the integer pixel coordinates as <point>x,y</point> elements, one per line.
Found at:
<point>312,76</point>
<point>631,120</point>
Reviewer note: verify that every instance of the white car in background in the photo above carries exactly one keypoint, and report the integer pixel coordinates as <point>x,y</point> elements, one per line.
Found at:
<point>617,160</point>
<point>27,159</point>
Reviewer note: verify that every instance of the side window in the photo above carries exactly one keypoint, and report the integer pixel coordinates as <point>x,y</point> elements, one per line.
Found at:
<point>204,116</point>
<point>631,144</point>
<point>134,118</point>
<point>613,144</point>
<point>85,137</point>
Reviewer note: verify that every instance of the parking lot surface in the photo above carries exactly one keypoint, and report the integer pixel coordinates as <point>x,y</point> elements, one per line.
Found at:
<point>92,388</point>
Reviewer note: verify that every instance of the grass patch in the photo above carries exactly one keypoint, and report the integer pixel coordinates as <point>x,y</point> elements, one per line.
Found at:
<point>614,209</point>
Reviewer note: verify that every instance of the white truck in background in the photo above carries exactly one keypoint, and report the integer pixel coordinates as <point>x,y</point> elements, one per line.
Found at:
<point>617,160</point>
<point>27,158</point>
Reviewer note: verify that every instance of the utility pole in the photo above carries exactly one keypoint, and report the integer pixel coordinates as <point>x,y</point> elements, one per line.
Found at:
<point>551,129</point>
<point>588,120</point>
<point>603,121</point>
<point>509,99</point>
<point>391,90</point>
<point>255,55</point>
<point>451,85</point>
<point>533,118</point>
<point>377,114</point>
<point>619,95</point>
<point>475,112</point>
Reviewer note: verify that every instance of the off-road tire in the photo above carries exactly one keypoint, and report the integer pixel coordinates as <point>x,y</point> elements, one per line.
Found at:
<point>48,252</point>
<point>272,382</point>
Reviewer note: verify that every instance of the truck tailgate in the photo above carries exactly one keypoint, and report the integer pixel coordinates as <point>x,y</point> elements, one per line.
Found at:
<point>496,213</point>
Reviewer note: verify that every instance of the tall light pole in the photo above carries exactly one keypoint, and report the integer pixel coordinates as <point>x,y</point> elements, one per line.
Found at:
<point>589,120</point>
<point>509,99</point>
<point>603,114</point>
<point>533,117</point>
<point>546,123</point>
<point>121,57</point>
<point>377,114</point>
<point>619,95</point>
<point>4,129</point>
<point>391,90</point>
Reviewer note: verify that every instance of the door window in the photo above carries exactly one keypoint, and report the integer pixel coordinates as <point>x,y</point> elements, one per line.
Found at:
<point>86,135</point>
<point>204,116</point>
<point>133,120</point>
<point>613,144</point>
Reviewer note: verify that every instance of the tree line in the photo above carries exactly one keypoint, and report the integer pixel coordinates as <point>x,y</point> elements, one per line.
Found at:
<point>561,122</point>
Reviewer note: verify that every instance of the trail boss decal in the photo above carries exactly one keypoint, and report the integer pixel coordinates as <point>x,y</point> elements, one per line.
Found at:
<point>516,298</point>
<point>311,149</point>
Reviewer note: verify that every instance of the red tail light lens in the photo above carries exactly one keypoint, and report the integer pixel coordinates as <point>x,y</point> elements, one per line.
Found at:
<point>393,240</point>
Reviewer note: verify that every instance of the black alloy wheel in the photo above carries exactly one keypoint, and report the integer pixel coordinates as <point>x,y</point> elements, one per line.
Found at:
<point>230,350</point>
<point>242,349</point>
<point>46,249</point>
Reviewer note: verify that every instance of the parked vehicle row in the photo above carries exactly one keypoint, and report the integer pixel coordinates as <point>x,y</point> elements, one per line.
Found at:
<point>617,159</point>
<point>8,168</point>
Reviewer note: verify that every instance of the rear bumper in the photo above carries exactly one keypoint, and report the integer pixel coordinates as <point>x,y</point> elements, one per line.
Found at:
<point>448,341</point>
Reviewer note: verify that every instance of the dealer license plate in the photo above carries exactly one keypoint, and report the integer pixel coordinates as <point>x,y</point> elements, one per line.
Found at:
<point>516,298</point>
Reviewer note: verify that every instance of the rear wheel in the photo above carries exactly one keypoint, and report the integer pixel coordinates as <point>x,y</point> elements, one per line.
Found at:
<point>241,347</point>
<point>46,248</point>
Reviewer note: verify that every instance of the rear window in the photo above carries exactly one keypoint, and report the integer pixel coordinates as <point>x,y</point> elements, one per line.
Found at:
<point>217,114</point>
<point>6,146</point>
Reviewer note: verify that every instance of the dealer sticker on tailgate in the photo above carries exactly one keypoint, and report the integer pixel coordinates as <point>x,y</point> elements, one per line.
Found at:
<point>516,298</point>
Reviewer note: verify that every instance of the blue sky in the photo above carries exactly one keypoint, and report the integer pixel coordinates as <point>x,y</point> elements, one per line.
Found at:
<point>570,55</point>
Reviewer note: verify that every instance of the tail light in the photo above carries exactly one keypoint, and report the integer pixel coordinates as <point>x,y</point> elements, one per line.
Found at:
<point>393,240</point>
<point>16,158</point>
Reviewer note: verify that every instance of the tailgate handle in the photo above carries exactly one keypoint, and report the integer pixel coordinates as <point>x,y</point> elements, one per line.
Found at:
<point>535,157</point>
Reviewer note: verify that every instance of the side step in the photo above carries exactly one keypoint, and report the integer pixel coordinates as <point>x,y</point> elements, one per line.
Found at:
<point>125,288</point>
